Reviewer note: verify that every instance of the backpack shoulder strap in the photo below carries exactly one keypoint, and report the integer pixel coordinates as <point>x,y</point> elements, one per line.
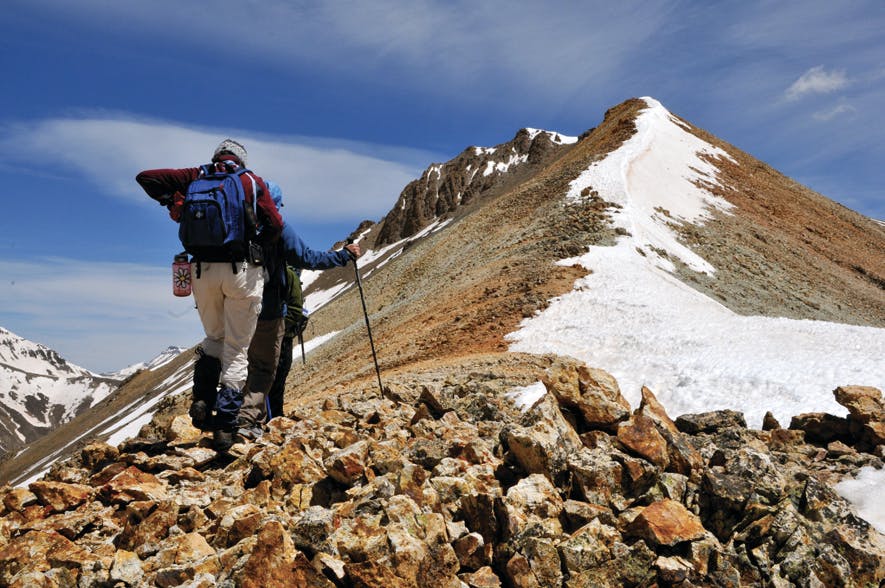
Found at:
<point>251,208</point>
<point>251,174</point>
<point>255,189</point>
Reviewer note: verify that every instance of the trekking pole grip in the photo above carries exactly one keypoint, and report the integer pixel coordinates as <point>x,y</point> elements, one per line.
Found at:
<point>350,253</point>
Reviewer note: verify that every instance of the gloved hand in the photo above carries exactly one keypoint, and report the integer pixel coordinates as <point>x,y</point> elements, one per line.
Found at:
<point>300,325</point>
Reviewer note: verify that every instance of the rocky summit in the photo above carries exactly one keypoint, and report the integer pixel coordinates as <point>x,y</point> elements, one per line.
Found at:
<point>443,479</point>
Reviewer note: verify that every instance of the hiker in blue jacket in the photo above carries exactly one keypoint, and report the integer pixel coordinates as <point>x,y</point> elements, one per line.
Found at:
<point>264,350</point>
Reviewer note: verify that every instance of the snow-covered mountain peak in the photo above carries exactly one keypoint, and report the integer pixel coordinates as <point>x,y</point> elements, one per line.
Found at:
<point>40,390</point>
<point>160,360</point>
<point>31,357</point>
<point>636,313</point>
<point>657,177</point>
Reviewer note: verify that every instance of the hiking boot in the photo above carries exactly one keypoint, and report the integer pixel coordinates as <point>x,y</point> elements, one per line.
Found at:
<point>222,440</point>
<point>199,413</point>
<point>250,432</point>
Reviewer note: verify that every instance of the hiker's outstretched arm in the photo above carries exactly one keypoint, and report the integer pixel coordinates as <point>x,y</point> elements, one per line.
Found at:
<point>299,255</point>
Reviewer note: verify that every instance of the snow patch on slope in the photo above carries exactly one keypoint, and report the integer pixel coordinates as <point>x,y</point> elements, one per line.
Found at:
<point>636,320</point>
<point>864,491</point>
<point>369,262</point>
<point>654,178</point>
<point>159,361</point>
<point>555,137</point>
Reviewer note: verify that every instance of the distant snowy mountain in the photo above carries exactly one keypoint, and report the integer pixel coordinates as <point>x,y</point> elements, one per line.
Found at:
<point>39,390</point>
<point>160,360</point>
<point>120,415</point>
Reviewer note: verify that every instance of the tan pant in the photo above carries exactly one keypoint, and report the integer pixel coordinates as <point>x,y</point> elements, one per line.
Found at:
<point>264,354</point>
<point>229,304</point>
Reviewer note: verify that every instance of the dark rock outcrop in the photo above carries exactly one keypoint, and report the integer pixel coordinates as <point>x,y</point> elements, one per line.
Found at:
<point>474,174</point>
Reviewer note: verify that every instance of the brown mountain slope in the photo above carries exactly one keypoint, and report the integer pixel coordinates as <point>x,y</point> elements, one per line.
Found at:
<point>788,251</point>
<point>782,251</point>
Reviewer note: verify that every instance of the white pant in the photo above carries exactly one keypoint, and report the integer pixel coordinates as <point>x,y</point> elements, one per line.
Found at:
<point>229,304</point>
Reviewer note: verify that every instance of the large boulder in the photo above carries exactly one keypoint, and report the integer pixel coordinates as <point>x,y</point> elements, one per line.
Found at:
<point>666,523</point>
<point>544,440</point>
<point>866,413</point>
<point>593,394</point>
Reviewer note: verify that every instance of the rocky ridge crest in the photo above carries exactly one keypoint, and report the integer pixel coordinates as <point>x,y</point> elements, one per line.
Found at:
<point>440,480</point>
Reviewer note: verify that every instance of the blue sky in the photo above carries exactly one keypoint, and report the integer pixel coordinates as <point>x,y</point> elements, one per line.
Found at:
<point>343,103</point>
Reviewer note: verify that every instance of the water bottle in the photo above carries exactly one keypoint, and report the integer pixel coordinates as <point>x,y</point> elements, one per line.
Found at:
<point>181,275</point>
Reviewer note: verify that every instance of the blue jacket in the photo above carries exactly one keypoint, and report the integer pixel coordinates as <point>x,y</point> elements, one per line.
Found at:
<point>290,249</point>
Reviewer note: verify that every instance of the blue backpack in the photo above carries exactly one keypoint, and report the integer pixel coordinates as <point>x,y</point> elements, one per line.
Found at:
<point>216,222</point>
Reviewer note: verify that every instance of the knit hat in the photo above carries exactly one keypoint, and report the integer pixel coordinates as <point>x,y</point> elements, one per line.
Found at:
<point>275,192</point>
<point>232,147</point>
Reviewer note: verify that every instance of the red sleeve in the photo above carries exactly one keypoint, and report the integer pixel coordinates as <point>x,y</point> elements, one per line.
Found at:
<point>161,184</point>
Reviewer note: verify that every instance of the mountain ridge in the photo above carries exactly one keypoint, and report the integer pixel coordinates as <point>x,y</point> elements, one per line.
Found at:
<point>616,127</point>
<point>472,175</point>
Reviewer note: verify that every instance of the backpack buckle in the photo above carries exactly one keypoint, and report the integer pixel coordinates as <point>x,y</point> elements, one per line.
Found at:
<point>256,254</point>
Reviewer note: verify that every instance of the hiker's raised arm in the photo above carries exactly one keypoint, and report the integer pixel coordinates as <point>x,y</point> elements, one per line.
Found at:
<point>162,184</point>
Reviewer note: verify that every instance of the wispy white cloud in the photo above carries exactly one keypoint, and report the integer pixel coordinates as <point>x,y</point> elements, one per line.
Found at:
<point>817,80</point>
<point>101,316</point>
<point>779,50</point>
<point>105,316</point>
<point>322,179</point>
<point>831,113</point>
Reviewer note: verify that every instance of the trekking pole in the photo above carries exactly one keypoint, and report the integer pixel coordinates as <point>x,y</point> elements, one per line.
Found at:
<point>302,325</point>
<point>359,284</point>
